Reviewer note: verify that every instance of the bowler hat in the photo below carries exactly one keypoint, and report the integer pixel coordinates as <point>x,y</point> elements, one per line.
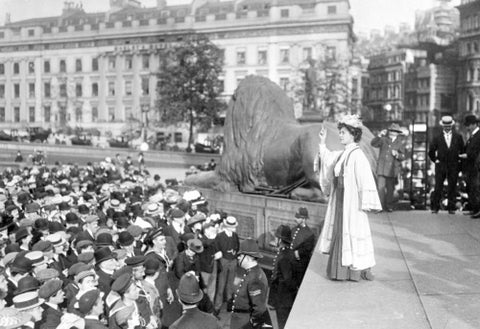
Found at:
<point>284,233</point>
<point>41,224</point>
<point>104,239</point>
<point>125,238</point>
<point>302,213</point>
<point>83,209</point>
<point>56,227</point>
<point>72,218</point>
<point>88,300</point>
<point>50,288</point>
<point>64,206</point>
<point>103,254</point>
<point>122,222</point>
<point>470,120</point>
<point>250,247</point>
<point>21,233</point>
<point>189,289</point>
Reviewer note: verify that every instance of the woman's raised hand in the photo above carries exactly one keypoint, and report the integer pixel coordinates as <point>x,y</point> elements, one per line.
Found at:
<point>323,135</point>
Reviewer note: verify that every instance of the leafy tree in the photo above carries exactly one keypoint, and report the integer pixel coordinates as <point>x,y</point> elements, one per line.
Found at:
<point>189,87</point>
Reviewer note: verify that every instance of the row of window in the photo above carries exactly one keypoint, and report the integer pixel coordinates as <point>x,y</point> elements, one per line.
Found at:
<point>78,65</point>
<point>262,55</point>
<point>384,93</point>
<point>418,100</point>
<point>78,92</point>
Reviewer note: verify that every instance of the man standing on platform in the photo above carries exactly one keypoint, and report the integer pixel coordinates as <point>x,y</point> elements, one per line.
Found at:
<point>444,151</point>
<point>392,153</point>
<point>303,242</point>
<point>470,167</point>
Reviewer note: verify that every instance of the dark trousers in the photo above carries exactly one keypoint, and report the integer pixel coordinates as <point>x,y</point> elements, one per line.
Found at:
<point>385,187</point>
<point>225,281</point>
<point>473,189</point>
<point>442,172</point>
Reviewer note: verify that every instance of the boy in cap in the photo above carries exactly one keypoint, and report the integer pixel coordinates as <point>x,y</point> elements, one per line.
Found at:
<point>303,242</point>
<point>190,294</point>
<point>249,302</point>
<point>51,292</point>
<point>91,307</point>
<point>226,244</point>
<point>390,157</point>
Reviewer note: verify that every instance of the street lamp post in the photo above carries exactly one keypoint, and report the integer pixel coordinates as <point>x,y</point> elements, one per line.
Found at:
<point>145,108</point>
<point>387,107</point>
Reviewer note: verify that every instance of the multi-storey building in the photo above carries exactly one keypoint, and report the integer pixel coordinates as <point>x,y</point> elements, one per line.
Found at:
<point>469,49</point>
<point>88,69</point>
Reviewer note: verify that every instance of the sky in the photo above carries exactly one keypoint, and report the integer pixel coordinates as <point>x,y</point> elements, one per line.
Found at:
<point>367,14</point>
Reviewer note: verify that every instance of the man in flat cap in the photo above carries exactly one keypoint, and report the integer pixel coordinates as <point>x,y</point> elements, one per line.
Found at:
<point>470,165</point>
<point>444,151</point>
<point>392,153</point>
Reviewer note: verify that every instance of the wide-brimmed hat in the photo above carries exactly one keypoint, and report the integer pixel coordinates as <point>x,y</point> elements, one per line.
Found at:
<point>125,238</point>
<point>395,127</point>
<point>230,221</point>
<point>189,289</point>
<point>27,300</point>
<point>470,120</point>
<point>447,121</point>
<point>250,247</point>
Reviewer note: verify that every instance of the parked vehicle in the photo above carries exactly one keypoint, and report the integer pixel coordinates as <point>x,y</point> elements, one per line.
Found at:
<point>5,137</point>
<point>204,148</point>
<point>81,139</point>
<point>119,141</point>
<point>38,134</point>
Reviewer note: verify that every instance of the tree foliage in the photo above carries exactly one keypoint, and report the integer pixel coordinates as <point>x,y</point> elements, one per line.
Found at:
<point>188,83</point>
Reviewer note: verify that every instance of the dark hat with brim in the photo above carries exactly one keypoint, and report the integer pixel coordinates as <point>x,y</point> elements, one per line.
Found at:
<point>302,213</point>
<point>284,233</point>
<point>250,247</point>
<point>470,120</point>
<point>395,127</point>
<point>103,254</point>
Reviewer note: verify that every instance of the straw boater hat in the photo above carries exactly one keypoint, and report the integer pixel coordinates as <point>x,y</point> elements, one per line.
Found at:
<point>447,121</point>
<point>27,300</point>
<point>230,221</point>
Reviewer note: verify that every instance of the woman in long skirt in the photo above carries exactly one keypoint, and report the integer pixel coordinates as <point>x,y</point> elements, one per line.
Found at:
<point>348,177</point>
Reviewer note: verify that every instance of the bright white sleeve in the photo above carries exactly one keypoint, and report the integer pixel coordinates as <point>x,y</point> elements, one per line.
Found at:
<point>326,163</point>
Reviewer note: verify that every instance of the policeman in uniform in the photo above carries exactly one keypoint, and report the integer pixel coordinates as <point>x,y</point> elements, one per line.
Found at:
<point>283,289</point>
<point>303,242</point>
<point>249,303</point>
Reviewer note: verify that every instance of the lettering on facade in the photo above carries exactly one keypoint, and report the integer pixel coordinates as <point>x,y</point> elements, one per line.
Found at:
<point>146,47</point>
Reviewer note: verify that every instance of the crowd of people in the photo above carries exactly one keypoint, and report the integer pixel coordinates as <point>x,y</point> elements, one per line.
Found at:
<point>103,246</point>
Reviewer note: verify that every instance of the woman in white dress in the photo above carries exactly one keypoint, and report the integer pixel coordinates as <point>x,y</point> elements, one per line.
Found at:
<point>347,177</point>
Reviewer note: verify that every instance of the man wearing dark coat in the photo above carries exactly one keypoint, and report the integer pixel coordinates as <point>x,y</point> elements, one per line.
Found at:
<point>444,151</point>
<point>51,291</point>
<point>470,165</point>
<point>303,242</point>
<point>392,153</point>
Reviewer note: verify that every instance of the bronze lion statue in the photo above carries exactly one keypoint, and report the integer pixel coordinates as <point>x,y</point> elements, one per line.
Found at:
<point>266,146</point>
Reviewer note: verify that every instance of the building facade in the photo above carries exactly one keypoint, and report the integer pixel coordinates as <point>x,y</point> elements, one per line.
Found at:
<point>469,53</point>
<point>91,69</point>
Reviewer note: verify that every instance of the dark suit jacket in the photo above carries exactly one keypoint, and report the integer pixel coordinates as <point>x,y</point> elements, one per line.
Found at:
<point>104,282</point>
<point>52,317</point>
<point>472,148</point>
<point>438,150</point>
<point>194,318</point>
<point>94,324</point>
<point>387,164</point>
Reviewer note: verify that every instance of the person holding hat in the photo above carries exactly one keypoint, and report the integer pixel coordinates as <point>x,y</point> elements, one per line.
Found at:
<point>91,306</point>
<point>392,153</point>
<point>283,287</point>
<point>249,302</point>
<point>348,179</point>
<point>444,150</point>
<point>470,165</point>
<point>226,244</point>
<point>51,292</point>
<point>190,294</point>
<point>302,244</point>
